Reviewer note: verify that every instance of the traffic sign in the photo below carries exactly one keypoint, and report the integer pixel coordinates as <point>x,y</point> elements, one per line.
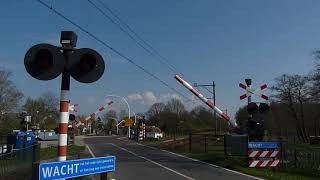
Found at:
<point>264,145</point>
<point>264,163</point>
<point>128,122</point>
<point>251,91</point>
<point>76,168</point>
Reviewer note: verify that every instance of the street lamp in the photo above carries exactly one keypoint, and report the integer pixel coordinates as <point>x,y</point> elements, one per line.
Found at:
<point>135,117</point>
<point>117,124</point>
<point>124,99</point>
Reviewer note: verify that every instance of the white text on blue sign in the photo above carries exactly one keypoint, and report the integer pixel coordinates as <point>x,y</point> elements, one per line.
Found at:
<point>76,168</point>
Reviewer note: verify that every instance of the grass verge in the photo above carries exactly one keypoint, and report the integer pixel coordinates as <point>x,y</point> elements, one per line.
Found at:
<point>51,152</point>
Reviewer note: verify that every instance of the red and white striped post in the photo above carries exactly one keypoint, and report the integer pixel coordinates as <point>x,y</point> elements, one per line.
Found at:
<point>63,123</point>
<point>64,103</point>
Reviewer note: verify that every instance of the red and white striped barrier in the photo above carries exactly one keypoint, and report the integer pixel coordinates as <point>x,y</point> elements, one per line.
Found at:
<point>263,154</point>
<point>206,101</point>
<point>84,121</point>
<point>264,163</point>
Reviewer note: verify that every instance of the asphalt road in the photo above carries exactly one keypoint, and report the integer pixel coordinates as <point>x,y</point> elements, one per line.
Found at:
<point>135,161</point>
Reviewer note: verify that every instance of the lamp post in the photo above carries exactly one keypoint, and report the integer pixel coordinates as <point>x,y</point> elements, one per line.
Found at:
<point>135,117</point>
<point>117,124</point>
<point>124,99</point>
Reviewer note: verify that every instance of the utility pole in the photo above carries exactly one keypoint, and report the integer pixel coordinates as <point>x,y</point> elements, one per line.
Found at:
<point>214,101</point>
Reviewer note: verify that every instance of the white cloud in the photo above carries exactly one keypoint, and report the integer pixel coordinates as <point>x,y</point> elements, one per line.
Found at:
<point>149,97</point>
<point>168,96</point>
<point>135,97</point>
<point>146,98</point>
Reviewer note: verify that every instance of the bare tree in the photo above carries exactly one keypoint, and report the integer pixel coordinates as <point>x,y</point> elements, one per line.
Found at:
<point>109,118</point>
<point>110,114</point>
<point>293,91</point>
<point>175,106</point>
<point>155,109</point>
<point>153,114</point>
<point>315,78</point>
<point>10,96</point>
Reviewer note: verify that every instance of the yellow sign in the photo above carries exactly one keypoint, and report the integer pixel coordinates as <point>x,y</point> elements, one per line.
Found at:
<point>128,122</point>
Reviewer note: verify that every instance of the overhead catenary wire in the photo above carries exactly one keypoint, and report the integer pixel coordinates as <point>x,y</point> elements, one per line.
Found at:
<point>135,37</point>
<point>109,47</point>
<point>208,90</point>
<point>131,36</point>
<point>104,4</point>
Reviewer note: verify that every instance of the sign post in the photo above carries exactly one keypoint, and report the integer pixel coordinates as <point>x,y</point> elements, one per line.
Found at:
<point>264,154</point>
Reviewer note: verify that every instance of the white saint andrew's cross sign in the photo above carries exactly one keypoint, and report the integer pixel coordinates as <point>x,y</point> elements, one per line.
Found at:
<point>250,91</point>
<point>76,168</point>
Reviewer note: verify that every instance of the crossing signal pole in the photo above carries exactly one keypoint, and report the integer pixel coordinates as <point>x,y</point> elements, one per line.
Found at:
<point>46,62</point>
<point>249,82</point>
<point>255,125</point>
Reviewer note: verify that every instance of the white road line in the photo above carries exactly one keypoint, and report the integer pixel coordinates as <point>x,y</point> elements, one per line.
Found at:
<point>90,151</point>
<point>176,172</point>
<point>196,160</point>
<point>122,138</point>
<point>236,172</point>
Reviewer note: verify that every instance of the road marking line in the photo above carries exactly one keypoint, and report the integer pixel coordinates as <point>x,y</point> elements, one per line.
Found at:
<point>180,155</point>
<point>176,172</point>
<point>90,151</point>
<point>236,172</point>
<point>122,138</point>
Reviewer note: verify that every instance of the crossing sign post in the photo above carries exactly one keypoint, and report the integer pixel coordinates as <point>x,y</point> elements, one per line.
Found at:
<point>76,168</point>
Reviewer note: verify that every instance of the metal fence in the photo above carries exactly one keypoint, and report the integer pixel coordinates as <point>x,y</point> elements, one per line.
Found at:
<point>301,159</point>
<point>18,164</point>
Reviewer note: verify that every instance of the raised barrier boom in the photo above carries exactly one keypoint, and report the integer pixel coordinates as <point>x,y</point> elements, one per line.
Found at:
<point>206,101</point>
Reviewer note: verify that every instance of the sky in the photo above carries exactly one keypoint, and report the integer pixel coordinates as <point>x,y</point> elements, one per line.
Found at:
<point>224,41</point>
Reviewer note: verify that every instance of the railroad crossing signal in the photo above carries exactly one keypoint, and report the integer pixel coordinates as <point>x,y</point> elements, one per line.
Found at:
<point>253,108</point>
<point>251,91</point>
<point>46,62</point>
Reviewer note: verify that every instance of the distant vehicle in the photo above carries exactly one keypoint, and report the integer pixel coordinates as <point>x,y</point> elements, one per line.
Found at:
<point>154,135</point>
<point>153,132</point>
